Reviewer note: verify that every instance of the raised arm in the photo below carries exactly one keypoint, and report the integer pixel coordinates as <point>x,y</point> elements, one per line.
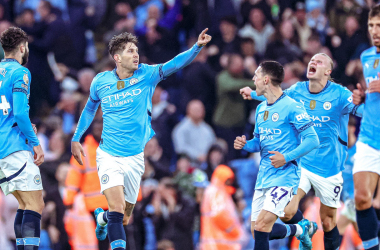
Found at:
<point>185,58</point>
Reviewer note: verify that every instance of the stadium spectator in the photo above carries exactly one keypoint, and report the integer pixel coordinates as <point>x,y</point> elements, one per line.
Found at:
<point>230,113</point>
<point>300,23</point>
<point>193,136</point>
<point>259,29</point>
<point>216,155</point>
<point>284,48</point>
<point>164,118</point>
<point>251,58</point>
<point>174,215</point>
<point>340,12</point>
<point>220,224</point>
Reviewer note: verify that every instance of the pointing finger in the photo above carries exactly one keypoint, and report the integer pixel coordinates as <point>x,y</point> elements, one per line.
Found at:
<point>204,32</point>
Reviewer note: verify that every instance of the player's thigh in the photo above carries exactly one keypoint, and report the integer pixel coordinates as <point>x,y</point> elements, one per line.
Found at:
<point>115,199</point>
<point>292,207</point>
<point>18,172</point>
<point>265,221</point>
<point>329,189</point>
<point>328,217</point>
<point>111,176</point>
<point>276,200</point>
<point>257,204</point>
<point>133,167</point>
<point>365,185</point>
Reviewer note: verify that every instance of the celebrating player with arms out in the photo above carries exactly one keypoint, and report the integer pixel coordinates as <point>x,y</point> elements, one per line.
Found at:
<point>281,122</point>
<point>19,174</point>
<point>125,95</point>
<point>328,105</point>
<point>367,159</point>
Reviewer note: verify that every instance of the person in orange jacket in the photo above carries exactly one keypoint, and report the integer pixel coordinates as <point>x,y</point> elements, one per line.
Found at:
<point>220,225</point>
<point>84,178</point>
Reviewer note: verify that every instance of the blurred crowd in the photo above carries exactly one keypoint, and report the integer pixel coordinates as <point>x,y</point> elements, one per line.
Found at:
<point>195,187</point>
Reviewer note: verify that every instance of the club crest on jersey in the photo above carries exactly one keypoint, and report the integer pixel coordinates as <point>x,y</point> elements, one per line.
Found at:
<point>26,79</point>
<point>37,179</point>
<point>275,117</point>
<point>105,178</point>
<point>266,114</point>
<point>120,85</point>
<point>133,81</point>
<point>327,105</point>
<point>376,63</point>
<point>313,104</point>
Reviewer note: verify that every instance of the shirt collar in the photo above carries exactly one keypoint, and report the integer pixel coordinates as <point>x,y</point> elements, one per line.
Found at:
<point>282,96</point>
<point>9,60</point>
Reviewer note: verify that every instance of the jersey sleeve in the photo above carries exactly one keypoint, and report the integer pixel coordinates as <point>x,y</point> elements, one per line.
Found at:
<point>254,144</point>
<point>160,71</point>
<point>93,90</point>
<point>21,79</point>
<point>21,89</point>
<point>346,103</point>
<point>299,118</point>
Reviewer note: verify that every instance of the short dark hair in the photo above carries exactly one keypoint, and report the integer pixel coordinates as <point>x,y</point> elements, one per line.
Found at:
<point>11,38</point>
<point>275,70</point>
<point>118,42</point>
<point>375,11</point>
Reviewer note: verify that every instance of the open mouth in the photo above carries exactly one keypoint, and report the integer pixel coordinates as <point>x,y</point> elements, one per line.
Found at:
<point>376,39</point>
<point>312,70</point>
<point>136,61</point>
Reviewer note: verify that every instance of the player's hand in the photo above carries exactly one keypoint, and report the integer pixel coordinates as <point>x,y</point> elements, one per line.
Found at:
<point>77,151</point>
<point>246,93</point>
<point>239,142</point>
<point>34,128</point>
<point>38,155</point>
<point>278,160</point>
<point>358,95</point>
<point>203,38</point>
<point>374,86</point>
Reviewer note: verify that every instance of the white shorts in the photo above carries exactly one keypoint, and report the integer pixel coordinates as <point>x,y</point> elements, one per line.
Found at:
<point>18,172</point>
<point>328,190</point>
<point>121,171</point>
<point>349,210</point>
<point>367,159</point>
<point>273,200</point>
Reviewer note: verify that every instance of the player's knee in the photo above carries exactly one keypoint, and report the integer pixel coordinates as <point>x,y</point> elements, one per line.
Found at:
<point>363,199</point>
<point>328,223</point>
<point>120,207</point>
<point>261,225</point>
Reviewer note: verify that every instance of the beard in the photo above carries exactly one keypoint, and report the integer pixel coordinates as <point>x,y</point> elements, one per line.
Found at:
<point>25,58</point>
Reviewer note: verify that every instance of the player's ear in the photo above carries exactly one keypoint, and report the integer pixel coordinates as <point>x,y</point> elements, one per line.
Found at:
<point>116,57</point>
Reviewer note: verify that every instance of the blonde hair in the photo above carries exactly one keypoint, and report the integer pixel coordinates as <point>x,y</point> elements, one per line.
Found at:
<point>331,63</point>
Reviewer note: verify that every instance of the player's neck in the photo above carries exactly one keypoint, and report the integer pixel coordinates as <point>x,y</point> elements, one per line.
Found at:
<point>16,57</point>
<point>273,94</point>
<point>351,140</point>
<point>123,73</point>
<point>316,85</point>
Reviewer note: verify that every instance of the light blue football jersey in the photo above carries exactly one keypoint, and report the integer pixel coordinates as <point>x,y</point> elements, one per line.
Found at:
<point>329,110</point>
<point>370,124</point>
<point>278,126</point>
<point>127,107</point>
<point>13,78</point>
<point>348,178</point>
